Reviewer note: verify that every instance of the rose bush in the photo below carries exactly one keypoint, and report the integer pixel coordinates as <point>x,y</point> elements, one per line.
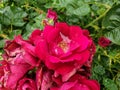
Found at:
<point>100,17</point>
<point>59,57</point>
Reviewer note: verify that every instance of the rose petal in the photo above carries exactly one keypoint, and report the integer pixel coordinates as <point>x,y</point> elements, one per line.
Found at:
<point>46,81</point>
<point>51,14</point>
<point>41,49</point>
<point>35,34</point>
<point>76,35</point>
<point>26,83</point>
<point>39,74</point>
<point>63,27</point>
<point>17,72</point>
<point>52,35</point>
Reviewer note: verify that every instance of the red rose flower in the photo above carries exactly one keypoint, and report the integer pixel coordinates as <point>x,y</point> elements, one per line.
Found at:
<point>78,82</point>
<point>57,58</point>
<point>19,51</point>
<point>11,74</point>
<point>51,18</point>
<point>63,48</point>
<point>104,42</point>
<point>52,15</point>
<point>20,56</point>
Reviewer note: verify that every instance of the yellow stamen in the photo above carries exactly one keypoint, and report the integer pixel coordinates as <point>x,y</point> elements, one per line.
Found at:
<point>63,45</point>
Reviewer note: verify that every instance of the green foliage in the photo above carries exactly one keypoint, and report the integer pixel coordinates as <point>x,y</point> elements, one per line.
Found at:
<point>109,84</point>
<point>99,70</point>
<point>13,15</point>
<point>78,7</point>
<point>100,17</point>
<point>112,23</point>
<point>114,35</point>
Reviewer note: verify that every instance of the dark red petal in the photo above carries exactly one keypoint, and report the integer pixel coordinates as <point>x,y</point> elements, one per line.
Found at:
<point>41,49</point>
<point>63,28</point>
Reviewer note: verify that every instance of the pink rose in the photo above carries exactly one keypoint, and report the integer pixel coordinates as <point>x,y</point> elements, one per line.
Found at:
<point>20,56</point>
<point>26,84</point>
<point>63,48</point>
<point>104,42</point>
<point>78,82</point>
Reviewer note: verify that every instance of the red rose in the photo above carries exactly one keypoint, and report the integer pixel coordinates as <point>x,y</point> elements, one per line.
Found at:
<point>78,82</point>
<point>51,18</point>
<point>52,15</point>
<point>57,58</point>
<point>63,48</point>
<point>26,84</point>
<point>104,42</point>
<point>20,56</point>
<point>19,51</point>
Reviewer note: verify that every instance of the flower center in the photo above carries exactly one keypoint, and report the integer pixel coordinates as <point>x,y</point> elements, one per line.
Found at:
<point>64,46</point>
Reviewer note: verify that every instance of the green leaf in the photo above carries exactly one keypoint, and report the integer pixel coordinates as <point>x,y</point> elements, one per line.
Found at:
<point>1,58</point>
<point>37,25</point>
<point>0,27</point>
<point>20,2</point>
<point>38,21</point>
<point>75,7</point>
<point>13,16</point>
<point>82,10</point>
<point>65,3</point>
<point>112,22</point>
<point>29,29</point>
<point>2,43</point>
<point>15,33</point>
<point>114,35</point>
<point>112,16</point>
<point>99,70</point>
<point>109,84</point>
